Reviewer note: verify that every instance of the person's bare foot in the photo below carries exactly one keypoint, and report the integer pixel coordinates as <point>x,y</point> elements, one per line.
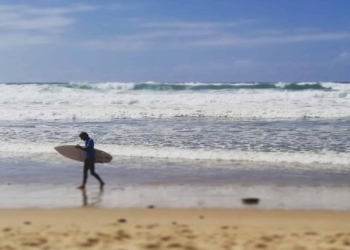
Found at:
<point>82,187</point>
<point>102,185</point>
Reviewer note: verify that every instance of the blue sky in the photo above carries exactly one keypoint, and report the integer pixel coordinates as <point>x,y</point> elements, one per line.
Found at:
<point>174,41</point>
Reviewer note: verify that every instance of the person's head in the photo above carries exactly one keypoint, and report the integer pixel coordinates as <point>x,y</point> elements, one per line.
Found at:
<point>84,136</point>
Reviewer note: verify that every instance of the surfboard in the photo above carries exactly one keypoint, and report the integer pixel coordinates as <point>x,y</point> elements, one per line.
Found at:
<point>76,154</point>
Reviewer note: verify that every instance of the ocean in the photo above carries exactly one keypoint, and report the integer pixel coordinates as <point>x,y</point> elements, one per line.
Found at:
<point>178,144</point>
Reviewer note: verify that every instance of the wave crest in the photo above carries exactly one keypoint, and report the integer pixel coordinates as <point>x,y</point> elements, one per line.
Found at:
<point>153,86</point>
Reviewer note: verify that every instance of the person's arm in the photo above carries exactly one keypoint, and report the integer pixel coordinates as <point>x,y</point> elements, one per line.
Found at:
<point>80,147</point>
<point>88,146</point>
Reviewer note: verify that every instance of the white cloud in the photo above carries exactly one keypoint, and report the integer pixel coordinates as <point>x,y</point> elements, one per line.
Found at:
<point>17,39</point>
<point>166,34</point>
<point>237,64</point>
<point>179,38</point>
<point>192,25</point>
<point>39,23</point>
<point>143,40</point>
<point>30,9</point>
<point>188,25</point>
<point>23,17</point>
<point>232,40</point>
<point>58,11</point>
<point>186,34</point>
<point>121,45</point>
<point>36,25</point>
<point>49,24</point>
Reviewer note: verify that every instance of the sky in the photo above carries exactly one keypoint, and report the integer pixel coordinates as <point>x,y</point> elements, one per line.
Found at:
<point>174,40</point>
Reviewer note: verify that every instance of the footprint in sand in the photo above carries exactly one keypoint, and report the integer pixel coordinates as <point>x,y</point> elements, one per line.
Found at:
<point>165,238</point>
<point>174,245</point>
<point>89,242</point>
<point>346,242</point>
<point>34,242</point>
<point>152,246</point>
<point>152,226</point>
<point>267,238</point>
<point>261,246</point>
<point>310,233</point>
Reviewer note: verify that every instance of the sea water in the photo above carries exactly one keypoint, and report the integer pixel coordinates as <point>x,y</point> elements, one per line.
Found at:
<point>178,144</point>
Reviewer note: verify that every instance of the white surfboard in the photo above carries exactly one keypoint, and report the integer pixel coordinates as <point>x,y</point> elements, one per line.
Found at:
<point>77,154</point>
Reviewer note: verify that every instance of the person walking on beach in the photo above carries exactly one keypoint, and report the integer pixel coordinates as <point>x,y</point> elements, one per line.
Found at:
<point>89,163</point>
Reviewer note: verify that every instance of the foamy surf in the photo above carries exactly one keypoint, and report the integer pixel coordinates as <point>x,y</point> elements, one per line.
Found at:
<point>44,150</point>
<point>155,120</point>
<point>109,101</point>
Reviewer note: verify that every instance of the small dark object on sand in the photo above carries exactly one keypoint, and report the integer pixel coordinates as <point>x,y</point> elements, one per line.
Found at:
<point>150,207</point>
<point>27,223</point>
<point>250,201</point>
<point>122,220</point>
<point>201,217</point>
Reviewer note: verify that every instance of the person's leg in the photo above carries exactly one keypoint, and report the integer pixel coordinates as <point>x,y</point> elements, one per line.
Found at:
<point>85,173</point>
<point>93,173</point>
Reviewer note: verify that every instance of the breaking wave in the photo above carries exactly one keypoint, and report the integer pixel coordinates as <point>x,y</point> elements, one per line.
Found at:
<point>115,100</point>
<point>152,86</point>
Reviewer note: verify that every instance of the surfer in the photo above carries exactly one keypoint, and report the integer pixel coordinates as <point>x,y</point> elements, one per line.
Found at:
<point>89,163</point>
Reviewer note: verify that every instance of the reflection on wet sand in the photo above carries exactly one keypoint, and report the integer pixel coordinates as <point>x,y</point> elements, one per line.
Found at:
<point>96,198</point>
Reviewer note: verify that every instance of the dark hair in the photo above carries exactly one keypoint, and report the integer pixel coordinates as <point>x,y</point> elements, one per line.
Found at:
<point>84,134</point>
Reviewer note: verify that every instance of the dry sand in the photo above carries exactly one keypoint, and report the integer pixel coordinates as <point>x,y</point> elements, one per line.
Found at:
<point>152,229</point>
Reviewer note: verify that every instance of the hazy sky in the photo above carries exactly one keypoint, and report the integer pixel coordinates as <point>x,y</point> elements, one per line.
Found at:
<point>174,40</point>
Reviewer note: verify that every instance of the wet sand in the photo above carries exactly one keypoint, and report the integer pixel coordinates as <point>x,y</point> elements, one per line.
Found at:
<point>137,183</point>
<point>190,229</point>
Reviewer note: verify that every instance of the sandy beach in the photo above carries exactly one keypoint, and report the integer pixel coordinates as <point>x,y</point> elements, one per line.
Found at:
<point>118,229</point>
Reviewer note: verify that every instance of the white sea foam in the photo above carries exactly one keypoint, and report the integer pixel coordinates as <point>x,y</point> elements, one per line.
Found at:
<point>105,101</point>
<point>331,159</point>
